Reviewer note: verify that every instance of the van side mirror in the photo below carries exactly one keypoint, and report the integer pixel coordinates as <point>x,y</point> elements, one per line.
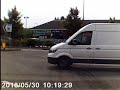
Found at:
<point>73,42</point>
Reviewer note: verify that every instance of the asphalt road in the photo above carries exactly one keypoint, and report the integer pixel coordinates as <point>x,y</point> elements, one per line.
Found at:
<point>31,65</point>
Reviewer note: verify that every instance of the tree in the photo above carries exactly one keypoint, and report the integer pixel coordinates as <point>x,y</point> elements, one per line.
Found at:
<point>112,20</point>
<point>72,23</point>
<point>27,33</point>
<point>62,18</point>
<point>14,18</point>
<point>2,33</point>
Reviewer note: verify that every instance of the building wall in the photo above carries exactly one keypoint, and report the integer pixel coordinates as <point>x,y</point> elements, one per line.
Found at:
<point>49,34</point>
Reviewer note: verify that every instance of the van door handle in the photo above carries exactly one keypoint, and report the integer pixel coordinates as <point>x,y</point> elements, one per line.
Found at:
<point>97,48</point>
<point>89,48</point>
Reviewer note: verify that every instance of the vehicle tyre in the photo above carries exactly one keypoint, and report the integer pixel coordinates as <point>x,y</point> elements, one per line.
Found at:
<point>64,62</point>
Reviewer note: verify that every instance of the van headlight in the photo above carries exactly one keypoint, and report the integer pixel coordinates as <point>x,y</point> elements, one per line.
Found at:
<point>52,51</point>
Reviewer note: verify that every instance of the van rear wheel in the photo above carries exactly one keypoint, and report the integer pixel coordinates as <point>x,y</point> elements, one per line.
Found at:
<point>64,62</point>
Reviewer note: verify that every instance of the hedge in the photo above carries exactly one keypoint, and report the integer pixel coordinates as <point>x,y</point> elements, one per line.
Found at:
<point>29,43</point>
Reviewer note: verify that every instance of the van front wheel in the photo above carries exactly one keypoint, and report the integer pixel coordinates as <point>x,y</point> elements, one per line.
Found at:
<point>64,62</point>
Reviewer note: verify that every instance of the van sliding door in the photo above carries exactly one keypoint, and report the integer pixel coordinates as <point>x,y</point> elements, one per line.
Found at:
<point>107,47</point>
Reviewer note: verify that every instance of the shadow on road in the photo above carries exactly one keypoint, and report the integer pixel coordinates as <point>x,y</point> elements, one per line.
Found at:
<point>91,77</point>
<point>89,70</point>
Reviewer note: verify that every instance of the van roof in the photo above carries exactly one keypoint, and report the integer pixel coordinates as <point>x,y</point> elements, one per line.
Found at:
<point>98,27</point>
<point>103,26</point>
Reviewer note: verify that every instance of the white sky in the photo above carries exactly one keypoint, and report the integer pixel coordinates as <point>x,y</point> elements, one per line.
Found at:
<point>41,11</point>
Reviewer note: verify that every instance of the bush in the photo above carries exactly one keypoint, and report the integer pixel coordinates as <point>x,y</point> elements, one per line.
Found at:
<point>48,43</point>
<point>39,43</point>
<point>8,43</point>
<point>31,42</point>
<point>24,42</point>
<point>16,42</point>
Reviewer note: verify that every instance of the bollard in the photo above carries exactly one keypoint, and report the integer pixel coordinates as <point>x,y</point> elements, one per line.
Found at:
<point>3,45</point>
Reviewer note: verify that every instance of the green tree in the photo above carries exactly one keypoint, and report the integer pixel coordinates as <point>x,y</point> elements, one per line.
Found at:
<point>2,33</point>
<point>112,20</point>
<point>27,33</point>
<point>62,18</point>
<point>14,18</point>
<point>72,23</point>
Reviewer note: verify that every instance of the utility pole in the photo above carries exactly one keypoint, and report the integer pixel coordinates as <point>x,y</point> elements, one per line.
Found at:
<point>26,20</point>
<point>83,8</point>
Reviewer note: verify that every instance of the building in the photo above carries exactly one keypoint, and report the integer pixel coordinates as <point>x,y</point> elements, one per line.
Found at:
<point>55,30</point>
<point>50,30</point>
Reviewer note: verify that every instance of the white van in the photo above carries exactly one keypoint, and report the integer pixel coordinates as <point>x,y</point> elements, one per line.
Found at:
<point>97,43</point>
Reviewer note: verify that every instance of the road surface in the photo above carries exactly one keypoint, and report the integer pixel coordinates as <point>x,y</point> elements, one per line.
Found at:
<point>31,65</point>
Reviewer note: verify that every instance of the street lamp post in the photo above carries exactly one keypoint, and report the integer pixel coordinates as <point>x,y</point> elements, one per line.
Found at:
<point>26,20</point>
<point>83,8</point>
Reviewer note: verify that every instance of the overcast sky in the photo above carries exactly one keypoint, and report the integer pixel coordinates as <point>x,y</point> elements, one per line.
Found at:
<point>41,11</point>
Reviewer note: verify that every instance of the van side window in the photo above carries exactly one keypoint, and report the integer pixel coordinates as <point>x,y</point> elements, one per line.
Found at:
<point>84,38</point>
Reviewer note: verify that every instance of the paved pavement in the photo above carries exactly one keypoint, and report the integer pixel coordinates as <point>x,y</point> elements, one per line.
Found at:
<point>31,65</point>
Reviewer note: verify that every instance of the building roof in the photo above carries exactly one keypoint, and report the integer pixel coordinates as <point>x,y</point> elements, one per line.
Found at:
<point>58,24</point>
<point>55,24</point>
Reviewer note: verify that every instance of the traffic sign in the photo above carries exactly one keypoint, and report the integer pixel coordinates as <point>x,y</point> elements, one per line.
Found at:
<point>7,27</point>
